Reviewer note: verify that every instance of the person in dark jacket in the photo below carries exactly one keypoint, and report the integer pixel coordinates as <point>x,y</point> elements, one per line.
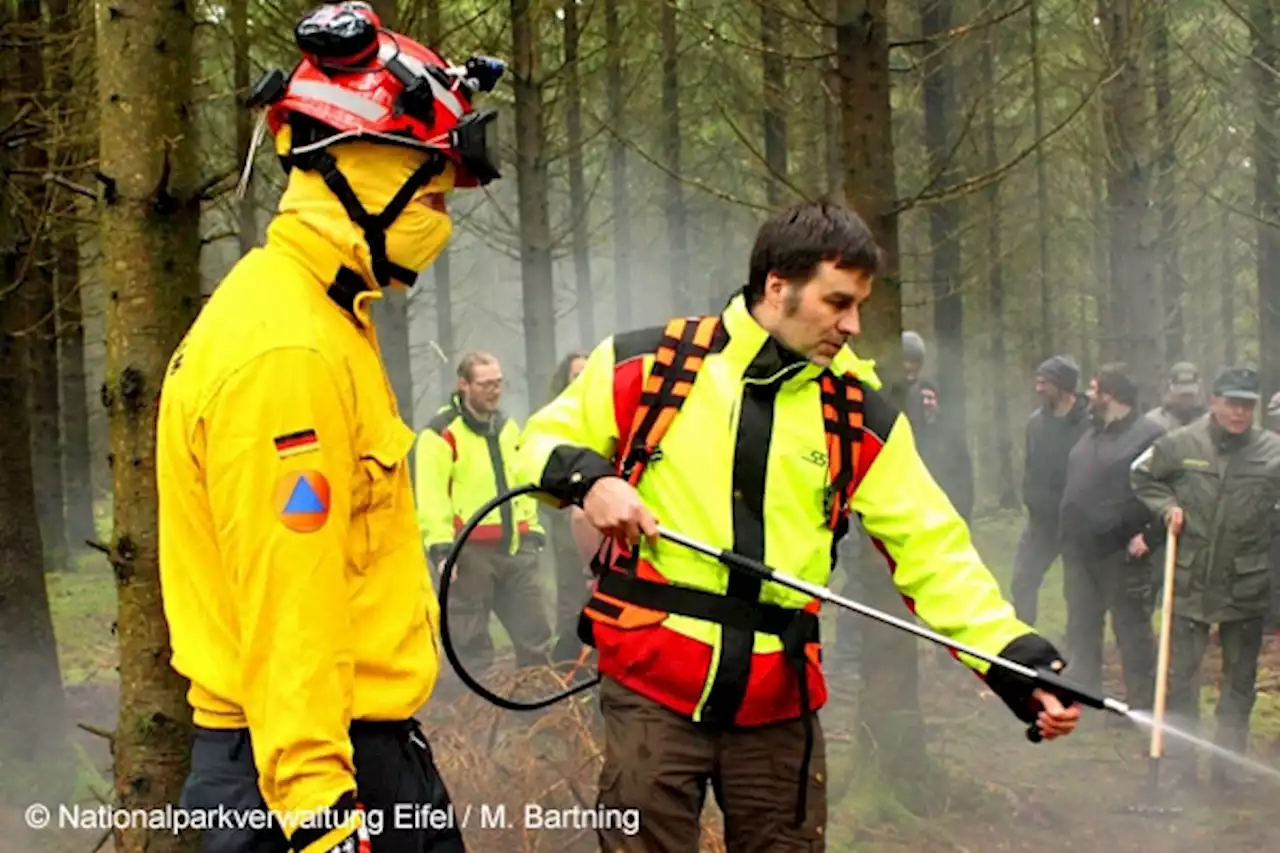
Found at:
<point>1106,533</point>
<point>1052,430</point>
<point>944,452</point>
<point>1216,483</point>
<point>1183,400</point>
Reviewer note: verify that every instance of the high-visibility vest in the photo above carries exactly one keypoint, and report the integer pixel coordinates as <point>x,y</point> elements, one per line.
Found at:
<point>628,618</point>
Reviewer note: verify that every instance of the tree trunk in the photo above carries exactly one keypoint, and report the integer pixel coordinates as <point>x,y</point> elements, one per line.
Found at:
<point>944,217</point>
<point>578,206</point>
<point>682,299</point>
<point>1226,241</point>
<point>775,101</point>
<point>831,104</point>
<point>1166,190</point>
<point>1266,193</point>
<point>77,467</point>
<point>1128,193</point>
<point>891,730</point>
<point>391,312</point>
<point>441,270</point>
<point>618,167</point>
<point>1108,328</point>
<point>35,280</point>
<point>150,241</point>
<point>34,727</point>
<point>995,281</point>
<point>537,284</point>
<point>246,218</point>
<point>1043,222</point>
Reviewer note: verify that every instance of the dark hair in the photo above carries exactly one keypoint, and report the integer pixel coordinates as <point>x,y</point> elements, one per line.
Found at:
<point>1113,378</point>
<point>923,385</point>
<point>560,379</point>
<point>794,241</point>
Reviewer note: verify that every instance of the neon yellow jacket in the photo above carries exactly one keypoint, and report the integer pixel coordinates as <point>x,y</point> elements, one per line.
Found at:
<point>462,463</point>
<point>294,584</point>
<point>698,480</point>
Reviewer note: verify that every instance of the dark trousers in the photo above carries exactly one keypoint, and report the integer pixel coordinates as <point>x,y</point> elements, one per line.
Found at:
<point>1273,618</point>
<point>1125,588</point>
<point>1241,644</point>
<point>492,581</point>
<point>395,775</point>
<point>1037,549</point>
<point>657,766</point>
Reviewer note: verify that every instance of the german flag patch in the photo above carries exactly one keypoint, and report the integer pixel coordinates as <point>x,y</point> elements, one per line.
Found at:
<point>296,442</point>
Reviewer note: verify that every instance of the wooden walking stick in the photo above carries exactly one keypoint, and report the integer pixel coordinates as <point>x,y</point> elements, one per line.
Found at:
<point>1162,664</point>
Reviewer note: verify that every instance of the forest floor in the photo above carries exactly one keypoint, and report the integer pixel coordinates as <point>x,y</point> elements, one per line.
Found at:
<point>998,792</point>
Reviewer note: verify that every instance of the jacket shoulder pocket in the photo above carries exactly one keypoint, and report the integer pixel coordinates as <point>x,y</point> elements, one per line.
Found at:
<point>388,447</point>
<point>384,508</point>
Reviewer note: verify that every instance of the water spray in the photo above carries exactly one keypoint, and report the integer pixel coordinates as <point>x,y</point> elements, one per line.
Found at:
<point>1067,691</point>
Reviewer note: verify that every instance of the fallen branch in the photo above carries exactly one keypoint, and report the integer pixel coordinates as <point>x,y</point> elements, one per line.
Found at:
<point>66,183</point>
<point>94,730</point>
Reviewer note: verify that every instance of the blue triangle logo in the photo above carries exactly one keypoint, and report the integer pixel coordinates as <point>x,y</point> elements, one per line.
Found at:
<point>303,500</point>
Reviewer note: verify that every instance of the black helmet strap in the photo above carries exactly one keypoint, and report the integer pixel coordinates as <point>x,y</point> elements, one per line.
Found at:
<point>373,225</point>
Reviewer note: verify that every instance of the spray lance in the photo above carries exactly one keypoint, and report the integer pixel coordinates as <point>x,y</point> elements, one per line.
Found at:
<point>1048,680</point>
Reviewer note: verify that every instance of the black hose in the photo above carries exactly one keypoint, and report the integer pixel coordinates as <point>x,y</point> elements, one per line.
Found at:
<point>446,570</point>
<point>1050,681</point>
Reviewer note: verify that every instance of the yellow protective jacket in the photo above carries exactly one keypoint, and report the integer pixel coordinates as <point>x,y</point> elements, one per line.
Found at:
<point>462,463</point>
<point>294,584</point>
<point>744,467</point>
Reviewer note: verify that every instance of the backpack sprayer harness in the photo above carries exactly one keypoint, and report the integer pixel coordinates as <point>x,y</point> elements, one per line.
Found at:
<point>685,345</point>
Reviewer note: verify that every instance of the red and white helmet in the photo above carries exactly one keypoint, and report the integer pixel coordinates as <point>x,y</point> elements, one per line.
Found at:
<point>357,79</point>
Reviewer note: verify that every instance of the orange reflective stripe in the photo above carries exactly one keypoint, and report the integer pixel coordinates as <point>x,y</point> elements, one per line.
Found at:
<point>665,390</point>
<point>624,615</point>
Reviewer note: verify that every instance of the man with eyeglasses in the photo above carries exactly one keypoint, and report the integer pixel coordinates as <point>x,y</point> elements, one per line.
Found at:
<point>464,460</point>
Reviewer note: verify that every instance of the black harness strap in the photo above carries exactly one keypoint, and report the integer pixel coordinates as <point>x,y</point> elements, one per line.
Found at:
<point>374,226</point>
<point>700,604</point>
<point>646,436</point>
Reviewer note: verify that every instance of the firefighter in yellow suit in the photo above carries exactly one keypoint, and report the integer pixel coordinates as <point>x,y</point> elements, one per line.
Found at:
<point>297,596</point>
<point>690,691</point>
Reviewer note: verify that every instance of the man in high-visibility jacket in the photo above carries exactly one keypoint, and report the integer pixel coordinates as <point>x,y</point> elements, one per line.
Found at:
<point>464,459</point>
<point>297,598</point>
<point>712,674</point>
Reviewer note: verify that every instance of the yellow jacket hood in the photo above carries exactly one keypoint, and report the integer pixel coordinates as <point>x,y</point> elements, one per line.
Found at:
<point>376,172</point>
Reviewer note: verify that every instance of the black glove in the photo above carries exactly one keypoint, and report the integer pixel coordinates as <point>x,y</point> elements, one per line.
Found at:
<point>1015,690</point>
<point>534,540</point>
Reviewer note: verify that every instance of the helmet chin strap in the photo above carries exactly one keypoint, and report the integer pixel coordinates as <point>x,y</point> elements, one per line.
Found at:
<point>348,283</point>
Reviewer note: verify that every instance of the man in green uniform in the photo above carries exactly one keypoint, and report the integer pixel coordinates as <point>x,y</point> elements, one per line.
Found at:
<point>1216,483</point>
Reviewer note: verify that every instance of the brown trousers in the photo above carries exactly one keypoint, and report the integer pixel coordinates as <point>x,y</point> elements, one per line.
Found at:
<point>658,763</point>
<point>492,581</point>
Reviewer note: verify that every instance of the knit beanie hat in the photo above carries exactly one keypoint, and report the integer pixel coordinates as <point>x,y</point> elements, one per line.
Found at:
<point>913,348</point>
<point>1061,370</point>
